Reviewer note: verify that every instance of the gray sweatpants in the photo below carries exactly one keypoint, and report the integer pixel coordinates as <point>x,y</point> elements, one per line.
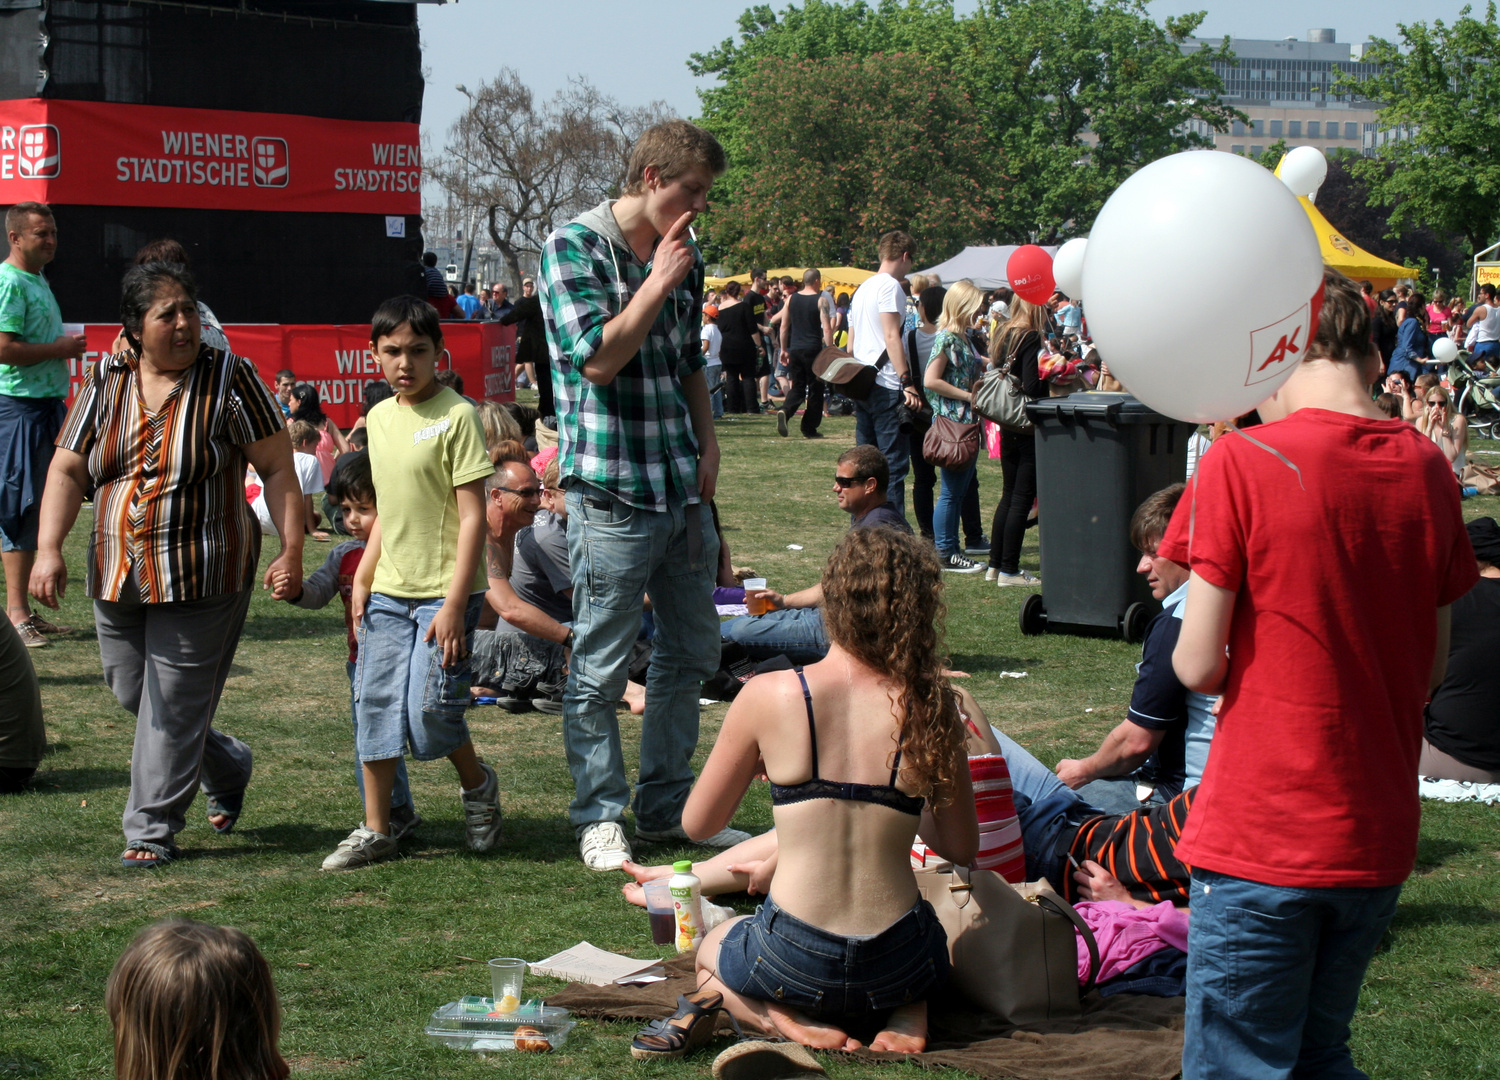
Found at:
<point>166,664</point>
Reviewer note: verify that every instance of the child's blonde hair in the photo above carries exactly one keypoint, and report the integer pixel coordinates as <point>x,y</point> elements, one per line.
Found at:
<point>194,1002</point>
<point>301,433</point>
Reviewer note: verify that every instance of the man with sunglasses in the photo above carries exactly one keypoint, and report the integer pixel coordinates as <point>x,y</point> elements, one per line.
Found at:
<point>793,627</point>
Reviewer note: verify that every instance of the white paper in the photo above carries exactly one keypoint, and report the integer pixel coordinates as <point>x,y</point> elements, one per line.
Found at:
<point>395,226</point>
<point>1013,674</point>
<point>591,964</point>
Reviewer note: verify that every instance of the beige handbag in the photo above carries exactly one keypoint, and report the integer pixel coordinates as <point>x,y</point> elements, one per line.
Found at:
<point>1013,947</point>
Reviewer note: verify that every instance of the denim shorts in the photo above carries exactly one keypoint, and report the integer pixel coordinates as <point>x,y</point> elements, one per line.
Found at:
<point>398,681</point>
<point>777,957</point>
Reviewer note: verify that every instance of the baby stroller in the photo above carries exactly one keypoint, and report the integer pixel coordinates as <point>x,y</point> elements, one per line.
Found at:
<point>1475,394</point>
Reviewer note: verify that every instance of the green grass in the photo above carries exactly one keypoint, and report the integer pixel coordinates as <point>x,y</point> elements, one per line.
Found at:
<point>362,958</point>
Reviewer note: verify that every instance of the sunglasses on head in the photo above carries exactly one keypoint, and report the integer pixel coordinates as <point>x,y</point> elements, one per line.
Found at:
<point>848,481</point>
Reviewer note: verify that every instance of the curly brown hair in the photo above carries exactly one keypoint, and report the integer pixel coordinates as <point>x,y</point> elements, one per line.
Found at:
<point>883,604</point>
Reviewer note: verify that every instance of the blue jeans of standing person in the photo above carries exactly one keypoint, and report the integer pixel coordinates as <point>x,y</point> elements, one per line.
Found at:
<point>1048,811</point>
<point>401,791</point>
<point>796,633</point>
<point>877,423</point>
<point>618,553</point>
<point>949,502</point>
<point>398,680</point>
<point>1274,976</point>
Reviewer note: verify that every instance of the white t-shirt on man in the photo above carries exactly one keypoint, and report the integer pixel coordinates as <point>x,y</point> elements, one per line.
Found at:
<point>309,476</point>
<point>1488,328</point>
<point>879,293</point>
<point>712,339</point>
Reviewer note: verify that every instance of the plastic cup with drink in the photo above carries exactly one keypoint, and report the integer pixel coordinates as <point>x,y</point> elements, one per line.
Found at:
<point>507,973</point>
<point>659,908</point>
<point>755,596</point>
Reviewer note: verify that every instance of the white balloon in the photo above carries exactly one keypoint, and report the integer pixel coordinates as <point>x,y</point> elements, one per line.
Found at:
<point>1067,267</point>
<point>1201,274</point>
<point>1445,350</point>
<point>1303,170</point>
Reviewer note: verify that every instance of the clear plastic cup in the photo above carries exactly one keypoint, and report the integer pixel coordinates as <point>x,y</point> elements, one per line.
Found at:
<point>659,908</point>
<point>507,973</point>
<point>755,605</point>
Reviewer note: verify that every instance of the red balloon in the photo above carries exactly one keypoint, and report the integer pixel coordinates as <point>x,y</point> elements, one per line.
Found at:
<point>1030,271</point>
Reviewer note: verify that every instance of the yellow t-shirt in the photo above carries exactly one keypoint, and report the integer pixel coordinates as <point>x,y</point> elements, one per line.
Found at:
<point>418,455</point>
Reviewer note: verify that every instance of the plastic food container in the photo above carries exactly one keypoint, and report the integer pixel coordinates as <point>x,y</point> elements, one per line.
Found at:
<point>470,1024</point>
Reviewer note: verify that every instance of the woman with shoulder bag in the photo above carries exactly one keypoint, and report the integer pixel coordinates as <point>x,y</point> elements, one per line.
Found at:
<point>952,368</point>
<point>1017,344</point>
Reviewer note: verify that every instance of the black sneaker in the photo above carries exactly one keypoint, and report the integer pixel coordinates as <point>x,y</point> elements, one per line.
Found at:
<point>980,546</point>
<point>548,697</point>
<point>813,435</point>
<point>781,428</point>
<point>958,564</point>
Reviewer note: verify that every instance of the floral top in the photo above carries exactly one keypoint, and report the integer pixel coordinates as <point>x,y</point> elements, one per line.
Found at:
<point>963,370</point>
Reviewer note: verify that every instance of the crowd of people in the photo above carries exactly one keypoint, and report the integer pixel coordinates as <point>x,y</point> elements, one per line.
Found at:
<point>485,562</point>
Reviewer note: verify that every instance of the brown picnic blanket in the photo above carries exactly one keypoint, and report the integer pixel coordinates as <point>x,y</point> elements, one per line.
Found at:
<point>1123,1037</point>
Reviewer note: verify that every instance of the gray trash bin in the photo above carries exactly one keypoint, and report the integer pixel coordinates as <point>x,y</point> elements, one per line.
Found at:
<point>1097,458</point>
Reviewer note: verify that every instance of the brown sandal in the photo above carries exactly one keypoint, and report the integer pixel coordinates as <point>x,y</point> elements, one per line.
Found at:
<point>689,1028</point>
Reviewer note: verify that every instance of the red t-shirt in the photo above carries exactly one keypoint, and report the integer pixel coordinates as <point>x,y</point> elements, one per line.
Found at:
<point>1312,776</point>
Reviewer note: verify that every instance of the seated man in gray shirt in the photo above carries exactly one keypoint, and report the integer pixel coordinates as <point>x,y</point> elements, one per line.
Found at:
<point>794,626</point>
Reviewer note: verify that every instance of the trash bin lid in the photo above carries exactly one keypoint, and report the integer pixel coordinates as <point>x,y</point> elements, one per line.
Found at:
<point>1094,405</point>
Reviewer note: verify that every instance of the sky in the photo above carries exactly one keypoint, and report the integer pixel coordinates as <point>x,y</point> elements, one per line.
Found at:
<point>636,50</point>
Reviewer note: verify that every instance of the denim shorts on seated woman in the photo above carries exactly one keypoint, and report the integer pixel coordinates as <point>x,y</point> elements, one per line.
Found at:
<point>774,956</point>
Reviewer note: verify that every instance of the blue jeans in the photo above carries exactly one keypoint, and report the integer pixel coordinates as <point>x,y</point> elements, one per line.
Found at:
<point>796,633</point>
<point>401,791</point>
<point>1048,810</point>
<point>877,424</point>
<point>619,553</point>
<point>1116,794</point>
<point>1274,976</point>
<point>945,514</point>
<point>398,681</point>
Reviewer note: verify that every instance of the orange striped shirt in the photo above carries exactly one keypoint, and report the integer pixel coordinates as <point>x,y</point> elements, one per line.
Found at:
<point>169,499</point>
<point>1139,848</point>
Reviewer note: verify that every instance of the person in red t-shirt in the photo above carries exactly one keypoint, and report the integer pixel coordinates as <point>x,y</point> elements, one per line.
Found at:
<point>1306,821</point>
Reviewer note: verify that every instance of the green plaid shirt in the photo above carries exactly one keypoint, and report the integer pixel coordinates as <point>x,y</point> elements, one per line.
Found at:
<point>632,438</point>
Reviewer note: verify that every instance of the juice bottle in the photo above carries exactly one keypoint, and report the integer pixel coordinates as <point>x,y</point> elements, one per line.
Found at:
<point>687,905</point>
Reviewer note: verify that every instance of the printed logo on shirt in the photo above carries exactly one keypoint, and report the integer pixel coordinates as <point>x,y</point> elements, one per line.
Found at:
<point>430,432</point>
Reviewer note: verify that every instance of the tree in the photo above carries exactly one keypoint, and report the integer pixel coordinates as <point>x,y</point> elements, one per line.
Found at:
<point>1071,95</point>
<point>527,168</point>
<point>897,146</point>
<point>1439,90</point>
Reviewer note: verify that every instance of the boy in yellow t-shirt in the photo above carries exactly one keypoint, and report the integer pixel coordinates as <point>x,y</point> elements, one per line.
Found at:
<point>420,586</point>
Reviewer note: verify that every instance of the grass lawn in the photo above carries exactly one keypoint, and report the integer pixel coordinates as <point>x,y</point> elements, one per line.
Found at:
<point>361,958</point>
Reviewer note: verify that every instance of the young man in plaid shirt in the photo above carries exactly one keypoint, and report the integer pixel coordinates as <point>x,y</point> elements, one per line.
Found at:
<point>622,296</point>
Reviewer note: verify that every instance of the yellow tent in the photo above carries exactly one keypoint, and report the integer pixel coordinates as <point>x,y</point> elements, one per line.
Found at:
<point>1345,256</point>
<point>838,278</point>
<point>1348,258</point>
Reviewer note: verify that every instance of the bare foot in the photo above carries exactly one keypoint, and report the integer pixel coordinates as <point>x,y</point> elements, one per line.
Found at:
<point>634,893</point>
<point>137,855</point>
<point>809,1032</point>
<point>643,874</point>
<point>635,698</point>
<point>905,1032</point>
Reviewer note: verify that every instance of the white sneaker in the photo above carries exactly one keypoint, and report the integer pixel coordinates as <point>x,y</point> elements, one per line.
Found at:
<point>603,846</point>
<point>958,564</point>
<point>482,818</point>
<point>990,573</point>
<point>1023,578</point>
<point>724,838</point>
<point>362,847</point>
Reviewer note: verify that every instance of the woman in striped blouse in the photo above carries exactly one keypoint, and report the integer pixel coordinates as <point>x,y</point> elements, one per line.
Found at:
<point>161,432</point>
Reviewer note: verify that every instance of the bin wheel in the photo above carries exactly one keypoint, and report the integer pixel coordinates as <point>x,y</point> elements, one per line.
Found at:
<point>1134,622</point>
<point>1033,615</point>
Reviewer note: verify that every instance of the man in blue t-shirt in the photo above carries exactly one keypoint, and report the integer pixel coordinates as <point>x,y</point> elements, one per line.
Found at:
<point>793,627</point>
<point>1161,747</point>
<point>468,303</point>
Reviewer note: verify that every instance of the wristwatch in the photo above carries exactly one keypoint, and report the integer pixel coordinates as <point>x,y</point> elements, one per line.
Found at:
<point>567,642</point>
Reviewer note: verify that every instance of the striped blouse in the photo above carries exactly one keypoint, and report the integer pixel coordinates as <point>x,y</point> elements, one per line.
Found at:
<point>169,498</point>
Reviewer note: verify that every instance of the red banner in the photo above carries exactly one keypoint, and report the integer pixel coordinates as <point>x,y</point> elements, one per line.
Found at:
<point>337,359</point>
<point>104,154</point>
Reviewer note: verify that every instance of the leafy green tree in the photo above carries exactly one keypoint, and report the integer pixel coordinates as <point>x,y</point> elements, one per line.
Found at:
<point>1440,86</point>
<point>824,175</point>
<point>1071,95</point>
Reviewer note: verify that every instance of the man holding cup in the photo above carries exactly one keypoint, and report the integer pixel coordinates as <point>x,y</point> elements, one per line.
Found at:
<point>792,625</point>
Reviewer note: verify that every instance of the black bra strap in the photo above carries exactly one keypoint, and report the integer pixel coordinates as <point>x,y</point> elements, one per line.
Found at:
<point>812,731</point>
<point>896,767</point>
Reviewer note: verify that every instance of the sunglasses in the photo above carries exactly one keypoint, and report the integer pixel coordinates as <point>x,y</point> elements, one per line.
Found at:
<point>1436,401</point>
<point>525,493</point>
<point>848,481</point>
